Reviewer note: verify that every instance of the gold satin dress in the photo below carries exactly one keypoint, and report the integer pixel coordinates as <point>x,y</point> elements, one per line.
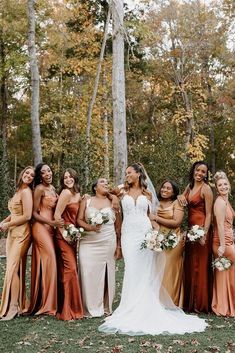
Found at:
<point>173,274</point>
<point>17,245</point>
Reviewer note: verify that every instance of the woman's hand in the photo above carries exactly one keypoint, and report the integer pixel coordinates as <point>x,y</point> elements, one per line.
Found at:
<point>115,203</point>
<point>4,226</point>
<point>95,228</point>
<point>202,241</point>
<point>182,200</point>
<point>118,253</point>
<point>57,223</point>
<point>153,217</point>
<point>221,250</point>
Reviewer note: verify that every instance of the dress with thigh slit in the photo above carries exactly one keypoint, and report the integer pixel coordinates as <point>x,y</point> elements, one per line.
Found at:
<point>97,265</point>
<point>43,298</point>
<point>17,245</point>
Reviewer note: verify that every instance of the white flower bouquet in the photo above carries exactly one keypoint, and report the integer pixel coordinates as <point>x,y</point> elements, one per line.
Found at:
<point>98,218</point>
<point>221,263</point>
<point>195,233</point>
<point>71,233</point>
<point>171,240</point>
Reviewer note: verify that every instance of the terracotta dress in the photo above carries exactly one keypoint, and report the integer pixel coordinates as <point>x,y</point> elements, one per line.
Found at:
<point>17,245</point>
<point>173,274</point>
<point>223,302</point>
<point>69,295</point>
<point>197,264</point>
<point>43,299</point>
<point>97,266</point>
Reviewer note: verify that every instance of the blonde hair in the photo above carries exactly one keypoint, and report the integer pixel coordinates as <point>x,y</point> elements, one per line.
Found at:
<point>221,175</point>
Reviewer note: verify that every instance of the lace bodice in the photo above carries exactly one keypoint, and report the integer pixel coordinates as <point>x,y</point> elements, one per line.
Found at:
<point>135,208</point>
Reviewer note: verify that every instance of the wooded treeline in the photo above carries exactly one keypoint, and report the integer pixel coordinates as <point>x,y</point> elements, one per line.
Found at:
<point>180,87</point>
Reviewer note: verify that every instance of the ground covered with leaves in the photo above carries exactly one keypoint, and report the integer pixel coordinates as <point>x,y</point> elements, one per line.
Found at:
<point>46,334</point>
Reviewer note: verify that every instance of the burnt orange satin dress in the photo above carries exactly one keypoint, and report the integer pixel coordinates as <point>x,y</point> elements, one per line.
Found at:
<point>18,242</point>
<point>43,298</point>
<point>69,295</point>
<point>197,264</point>
<point>223,302</point>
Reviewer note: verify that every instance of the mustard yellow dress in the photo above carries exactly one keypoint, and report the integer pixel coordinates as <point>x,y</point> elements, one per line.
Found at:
<point>17,245</point>
<point>173,274</point>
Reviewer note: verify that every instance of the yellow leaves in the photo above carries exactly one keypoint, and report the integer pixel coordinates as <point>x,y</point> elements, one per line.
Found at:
<point>197,147</point>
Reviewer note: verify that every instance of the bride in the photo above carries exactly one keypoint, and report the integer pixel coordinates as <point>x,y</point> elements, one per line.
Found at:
<point>145,307</point>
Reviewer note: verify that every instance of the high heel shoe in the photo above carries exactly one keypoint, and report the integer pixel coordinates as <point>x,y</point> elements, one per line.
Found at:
<point>11,314</point>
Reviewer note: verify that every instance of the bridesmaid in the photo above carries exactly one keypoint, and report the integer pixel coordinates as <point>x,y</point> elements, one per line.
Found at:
<point>18,241</point>
<point>43,299</point>
<point>223,302</point>
<point>170,216</point>
<point>69,295</point>
<point>97,252</point>
<point>198,255</point>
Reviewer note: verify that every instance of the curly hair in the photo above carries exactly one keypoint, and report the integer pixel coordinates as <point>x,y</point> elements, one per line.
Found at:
<point>38,168</point>
<point>139,168</point>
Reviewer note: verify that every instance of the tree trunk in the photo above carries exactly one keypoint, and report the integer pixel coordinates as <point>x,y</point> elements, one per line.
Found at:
<point>118,92</point>
<point>36,134</point>
<point>94,94</point>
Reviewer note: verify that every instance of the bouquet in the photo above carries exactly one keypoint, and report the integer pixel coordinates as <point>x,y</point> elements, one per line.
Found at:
<point>221,263</point>
<point>171,241</point>
<point>71,233</point>
<point>157,241</point>
<point>195,233</point>
<point>98,218</point>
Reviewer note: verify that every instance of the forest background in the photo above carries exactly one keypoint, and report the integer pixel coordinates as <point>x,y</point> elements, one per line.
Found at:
<point>180,88</point>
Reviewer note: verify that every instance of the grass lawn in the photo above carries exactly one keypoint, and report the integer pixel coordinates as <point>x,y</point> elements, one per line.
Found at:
<point>46,334</point>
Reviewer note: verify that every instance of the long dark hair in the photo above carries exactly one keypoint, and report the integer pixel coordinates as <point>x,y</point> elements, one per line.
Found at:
<point>38,168</point>
<point>191,173</point>
<point>20,181</point>
<point>139,168</point>
<point>76,188</point>
<point>175,188</point>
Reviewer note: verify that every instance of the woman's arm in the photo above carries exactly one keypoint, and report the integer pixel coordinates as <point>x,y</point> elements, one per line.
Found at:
<point>182,198</point>
<point>38,194</point>
<point>81,219</point>
<point>208,197</point>
<point>27,205</point>
<point>220,212</point>
<point>62,202</point>
<point>175,222</point>
<point>118,223</point>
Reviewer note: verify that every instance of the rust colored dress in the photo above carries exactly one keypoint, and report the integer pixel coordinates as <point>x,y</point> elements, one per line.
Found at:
<point>43,298</point>
<point>223,302</point>
<point>69,295</point>
<point>197,265</point>
<point>173,274</point>
<point>18,242</point>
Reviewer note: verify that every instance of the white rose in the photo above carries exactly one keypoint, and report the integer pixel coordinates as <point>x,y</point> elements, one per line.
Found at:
<point>195,228</point>
<point>81,230</point>
<point>65,233</point>
<point>148,236</point>
<point>227,265</point>
<point>160,237</point>
<point>200,232</point>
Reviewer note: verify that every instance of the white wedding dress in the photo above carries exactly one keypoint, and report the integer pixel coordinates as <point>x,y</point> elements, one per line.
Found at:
<point>145,307</point>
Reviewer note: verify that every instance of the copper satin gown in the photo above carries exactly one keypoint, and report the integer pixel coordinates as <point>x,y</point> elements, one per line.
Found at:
<point>197,265</point>
<point>69,295</point>
<point>173,274</point>
<point>17,245</point>
<point>43,299</point>
<point>223,302</point>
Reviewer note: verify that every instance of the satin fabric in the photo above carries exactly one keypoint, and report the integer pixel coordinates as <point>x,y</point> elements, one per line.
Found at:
<point>173,274</point>
<point>223,302</point>
<point>70,305</point>
<point>97,266</point>
<point>17,245</point>
<point>43,298</point>
<point>197,264</point>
